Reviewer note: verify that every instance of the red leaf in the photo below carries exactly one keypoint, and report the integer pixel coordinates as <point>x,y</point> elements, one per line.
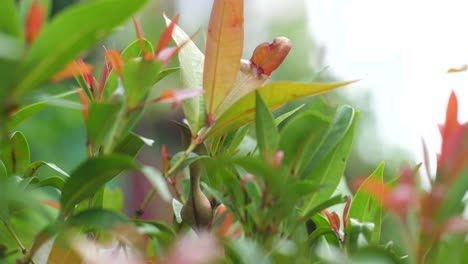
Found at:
<point>34,21</point>
<point>72,69</point>
<point>115,60</point>
<point>223,51</point>
<point>166,36</point>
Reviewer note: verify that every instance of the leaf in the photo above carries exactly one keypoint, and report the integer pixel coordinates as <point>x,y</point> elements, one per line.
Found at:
<point>330,170</point>
<point>266,130</point>
<point>102,118</point>
<point>275,95</point>
<point>9,19</point>
<point>132,51</point>
<point>191,158</point>
<point>223,51</point>
<point>130,145</point>
<point>67,35</point>
<point>301,137</point>
<point>113,199</point>
<point>97,218</point>
<point>365,208</point>
<point>33,167</point>
<point>3,171</point>
<point>218,196</point>
<point>158,182</point>
<point>27,111</point>
<point>90,176</point>
<point>11,48</point>
<point>166,72</point>
<point>177,208</point>
<point>17,158</point>
<point>453,202</point>
<point>339,126</point>
<point>54,182</point>
<point>139,76</point>
<point>310,212</point>
<point>191,61</point>
<point>285,116</point>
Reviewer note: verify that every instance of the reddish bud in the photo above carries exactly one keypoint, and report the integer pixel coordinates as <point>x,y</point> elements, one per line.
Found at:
<point>34,21</point>
<point>224,229</point>
<point>269,56</point>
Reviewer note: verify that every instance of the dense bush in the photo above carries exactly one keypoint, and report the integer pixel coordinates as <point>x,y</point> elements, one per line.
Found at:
<point>250,187</point>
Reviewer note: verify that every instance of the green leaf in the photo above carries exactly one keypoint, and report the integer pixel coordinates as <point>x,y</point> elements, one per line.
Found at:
<point>275,95</point>
<point>301,137</point>
<point>97,218</point>
<point>285,116</point>
<point>131,52</point>
<point>330,170</point>
<point>113,199</point>
<point>9,19</point>
<point>102,118</point>
<point>365,208</point>
<point>310,212</point>
<point>54,182</point>
<point>339,126</point>
<point>70,33</point>
<point>33,167</point>
<point>166,72</point>
<point>191,61</point>
<point>191,158</point>
<point>90,176</point>
<point>358,233</point>
<point>11,48</point>
<point>267,132</point>
<point>17,159</point>
<point>223,51</point>
<point>3,171</point>
<point>453,203</point>
<point>452,249</point>
<point>177,208</point>
<point>139,76</point>
<point>27,111</point>
<point>158,182</point>
<point>130,145</point>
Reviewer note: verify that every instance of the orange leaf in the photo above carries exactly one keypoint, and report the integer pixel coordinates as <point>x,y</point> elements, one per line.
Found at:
<point>34,21</point>
<point>115,60</point>
<point>223,51</point>
<point>73,68</point>
<point>269,56</point>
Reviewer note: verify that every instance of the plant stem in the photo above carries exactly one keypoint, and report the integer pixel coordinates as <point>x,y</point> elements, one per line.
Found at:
<point>150,195</point>
<point>24,250</point>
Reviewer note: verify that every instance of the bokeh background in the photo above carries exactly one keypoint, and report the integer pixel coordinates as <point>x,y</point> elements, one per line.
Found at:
<point>401,51</point>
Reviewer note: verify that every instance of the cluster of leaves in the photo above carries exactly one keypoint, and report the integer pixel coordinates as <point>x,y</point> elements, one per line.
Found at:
<point>250,187</point>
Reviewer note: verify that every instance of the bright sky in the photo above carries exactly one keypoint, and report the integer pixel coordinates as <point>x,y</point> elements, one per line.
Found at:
<point>402,50</point>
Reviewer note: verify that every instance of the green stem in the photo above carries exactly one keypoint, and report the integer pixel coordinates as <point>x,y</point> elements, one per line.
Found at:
<point>16,238</point>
